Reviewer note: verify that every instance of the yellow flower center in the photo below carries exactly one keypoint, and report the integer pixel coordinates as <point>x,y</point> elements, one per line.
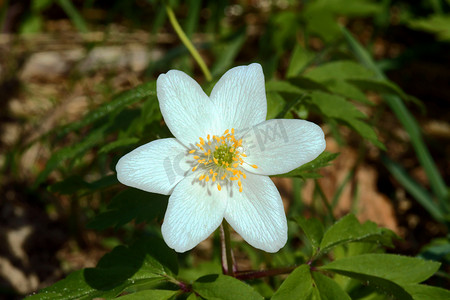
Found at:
<point>218,158</point>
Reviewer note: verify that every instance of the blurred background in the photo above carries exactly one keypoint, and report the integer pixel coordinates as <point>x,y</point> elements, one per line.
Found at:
<point>61,60</point>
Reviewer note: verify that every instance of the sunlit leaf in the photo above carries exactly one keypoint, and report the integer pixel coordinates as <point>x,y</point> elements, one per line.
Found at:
<point>348,229</point>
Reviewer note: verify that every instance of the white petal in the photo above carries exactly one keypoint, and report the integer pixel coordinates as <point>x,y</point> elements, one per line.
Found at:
<point>257,213</point>
<point>193,213</point>
<point>187,110</point>
<point>240,97</point>
<point>279,146</point>
<point>154,167</point>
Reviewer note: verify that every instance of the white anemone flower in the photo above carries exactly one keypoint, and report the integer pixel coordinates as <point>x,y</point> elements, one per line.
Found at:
<point>218,163</point>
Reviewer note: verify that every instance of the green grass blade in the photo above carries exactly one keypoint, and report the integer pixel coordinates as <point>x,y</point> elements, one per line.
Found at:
<point>415,189</point>
<point>74,15</point>
<point>409,123</point>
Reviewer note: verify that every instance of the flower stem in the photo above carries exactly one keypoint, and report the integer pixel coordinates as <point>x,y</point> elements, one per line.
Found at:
<point>227,254</point>
<point>176,26</point>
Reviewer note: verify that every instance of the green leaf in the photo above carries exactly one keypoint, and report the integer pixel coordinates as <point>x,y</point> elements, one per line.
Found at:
<point>313,229</point>
<point>408,122</point>
<point>116,104</point>
<point>223,287</point>
<point>347,90</point>
<point>382,86</point>
<point>150,294</point>
<point>281,86</point>
<point>227,52</point>
<point>128,205</point>
<point>344,69</point>
<point>334,106</point>
<point>298,285</point>
<point>94,138</point>
<point>275,105</point>
<point>309,170</point>
<point>426,292</point>
<point>436,24</point>
<point>348,229</point>
<point>117,144</point>
<point>300,58</point>
<point>328,288</point>
<point>148,261</point>
<point>76,184</point>
<point>398,269</point>
<point>69,186</point>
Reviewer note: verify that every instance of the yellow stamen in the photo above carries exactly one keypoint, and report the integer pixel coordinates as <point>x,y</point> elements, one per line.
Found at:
<point>192,151</point>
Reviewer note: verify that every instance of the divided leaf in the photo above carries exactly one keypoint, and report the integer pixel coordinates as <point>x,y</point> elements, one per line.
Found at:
<point>337,107</point>
<point>348,229</point>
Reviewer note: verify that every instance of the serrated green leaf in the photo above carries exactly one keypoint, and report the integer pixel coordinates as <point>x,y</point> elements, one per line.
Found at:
<point>334,75</point>
<point>150,294</point>
<point>224,287</point>
<point>128,205</point>
<point>426,292</point>
<point>298,285</point>
<point>147,260</point>
<point>328,288</point>
<point>395,268</point>
<point>313,230</point>
<point>309,170</point>
<point>348,229</point>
